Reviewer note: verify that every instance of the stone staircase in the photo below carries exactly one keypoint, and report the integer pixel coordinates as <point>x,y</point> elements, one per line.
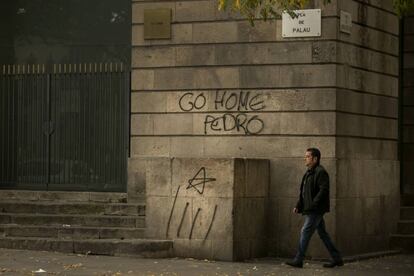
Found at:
<point>404,239</point>
<point>82,227</point>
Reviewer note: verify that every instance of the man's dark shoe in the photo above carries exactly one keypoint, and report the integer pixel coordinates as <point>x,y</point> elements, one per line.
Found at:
<point>333,264</point>
<point>295,264</point>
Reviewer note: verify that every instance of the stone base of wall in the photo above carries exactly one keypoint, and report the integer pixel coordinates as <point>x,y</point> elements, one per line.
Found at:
<point>210,208</point>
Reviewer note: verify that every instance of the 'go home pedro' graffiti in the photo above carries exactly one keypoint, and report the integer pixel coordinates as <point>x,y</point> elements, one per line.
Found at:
<point>239,121</point>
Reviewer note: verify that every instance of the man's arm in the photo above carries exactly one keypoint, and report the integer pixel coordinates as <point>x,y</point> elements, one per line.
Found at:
<point>322,181</point>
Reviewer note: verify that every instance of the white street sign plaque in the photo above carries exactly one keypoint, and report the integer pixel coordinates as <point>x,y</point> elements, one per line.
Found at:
<point>306,24</point>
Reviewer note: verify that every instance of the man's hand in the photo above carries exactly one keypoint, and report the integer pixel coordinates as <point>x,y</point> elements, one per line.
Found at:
<point>295,210</point>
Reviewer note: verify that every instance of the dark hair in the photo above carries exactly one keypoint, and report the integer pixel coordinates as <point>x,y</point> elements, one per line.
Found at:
<point>315,153</point>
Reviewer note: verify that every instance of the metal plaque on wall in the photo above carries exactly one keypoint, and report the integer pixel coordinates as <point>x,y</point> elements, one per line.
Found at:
<point>157,24</point>
<point>306,23</point>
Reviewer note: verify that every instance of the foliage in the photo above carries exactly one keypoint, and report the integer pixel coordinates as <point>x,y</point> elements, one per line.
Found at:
<point>268,9</point>
<point>403,7</point>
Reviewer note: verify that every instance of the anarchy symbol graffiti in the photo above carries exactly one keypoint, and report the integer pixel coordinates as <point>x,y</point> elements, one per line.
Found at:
<point>198,182</point>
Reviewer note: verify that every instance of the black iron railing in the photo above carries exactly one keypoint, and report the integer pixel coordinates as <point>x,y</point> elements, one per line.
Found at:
<point>64,127</point>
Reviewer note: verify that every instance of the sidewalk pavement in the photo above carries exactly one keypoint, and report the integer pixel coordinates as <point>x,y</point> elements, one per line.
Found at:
<point>24,262</point>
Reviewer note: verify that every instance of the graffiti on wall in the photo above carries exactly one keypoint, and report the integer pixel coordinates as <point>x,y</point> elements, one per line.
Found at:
<point>235,104</point>
<point>199,179</point>
<point>197,182</point>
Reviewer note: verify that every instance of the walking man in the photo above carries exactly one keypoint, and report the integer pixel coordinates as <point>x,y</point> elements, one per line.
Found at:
<point>313,203</point>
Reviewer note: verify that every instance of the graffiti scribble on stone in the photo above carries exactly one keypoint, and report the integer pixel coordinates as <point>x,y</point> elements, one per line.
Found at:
<point>198,182</point>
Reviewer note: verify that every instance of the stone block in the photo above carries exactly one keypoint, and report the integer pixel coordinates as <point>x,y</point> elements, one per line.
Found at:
<point>150,146</point>
<point>198,249</point>
<point>155,56</point>
<point>178,78</point>
<point>188,11</point>
<point>194,55</point>
<point>148,102</point>
<point>187,146</point>
<point>220,171</point>
<point>157,216</point>
<point>142,79</point>
<point>367,59</point>
<point>367,178</point>
<point>266,147</point>
<point>182,215</point>
<point>263,76</point>
<point>354,102</point>
<point>349,217</point>
<point>142,124</point>
<point>223,250</point>
<point>357,148</point>
<point>198,214</point>
<point>172,124</point>
<point>261,31</point>
<point>308,123</point>
<point>67,196</point>
<point>158,177</point>
<point>138,36</point>
<point>263,53</point>
<point>207,78</point>
<point>371,38</point>
<point>373,17</point>
<point>307,75</point>
<point>215,32</point>
<point>408,134</point>
<point>218,219</point>
<point>408,61</point>
<point>364,126</point>
<point>257,178</point>
<point>9,195</point>
<point>136,179</point>
<point>107,197</point>
<point>356,79</point>
<point>248,224</point>
<point>324,51</point>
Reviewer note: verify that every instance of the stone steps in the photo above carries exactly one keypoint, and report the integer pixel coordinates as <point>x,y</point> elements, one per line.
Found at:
<point>108,227</point>
<point>72,220</point>
<point>60,232</point>
<point>73,208</point>
<point>112,247</point>
<point>404,239</point>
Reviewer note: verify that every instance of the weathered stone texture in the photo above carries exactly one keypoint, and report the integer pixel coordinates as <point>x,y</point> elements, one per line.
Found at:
<point>371,16</point>
<point>337,92</point>
<point>223,218</point>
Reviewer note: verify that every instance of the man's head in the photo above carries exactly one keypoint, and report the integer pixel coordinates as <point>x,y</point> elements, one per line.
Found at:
<point>312,157</point>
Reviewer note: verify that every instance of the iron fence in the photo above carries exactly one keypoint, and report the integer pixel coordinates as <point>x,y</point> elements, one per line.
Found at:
<point>65,127</point>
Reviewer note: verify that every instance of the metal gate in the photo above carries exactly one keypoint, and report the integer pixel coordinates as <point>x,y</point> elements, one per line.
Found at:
<point>66,129</point>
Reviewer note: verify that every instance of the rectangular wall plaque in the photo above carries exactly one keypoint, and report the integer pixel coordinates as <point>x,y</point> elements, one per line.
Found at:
<point>346,22</point>
<point>306,24</point>
<point>157,24</point>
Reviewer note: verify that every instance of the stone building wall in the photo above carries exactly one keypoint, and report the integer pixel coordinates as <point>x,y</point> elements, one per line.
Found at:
<point>367,128</point>
<point>408,106</point>
<point>221,88</point>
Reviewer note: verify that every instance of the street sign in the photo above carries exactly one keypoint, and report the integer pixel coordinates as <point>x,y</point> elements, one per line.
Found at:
<point>307,23</point>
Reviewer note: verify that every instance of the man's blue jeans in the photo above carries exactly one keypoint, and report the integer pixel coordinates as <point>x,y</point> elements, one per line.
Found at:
<point>315,222</point>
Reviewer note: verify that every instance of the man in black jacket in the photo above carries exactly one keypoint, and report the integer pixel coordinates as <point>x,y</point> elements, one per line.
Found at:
<point>313,203</point>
